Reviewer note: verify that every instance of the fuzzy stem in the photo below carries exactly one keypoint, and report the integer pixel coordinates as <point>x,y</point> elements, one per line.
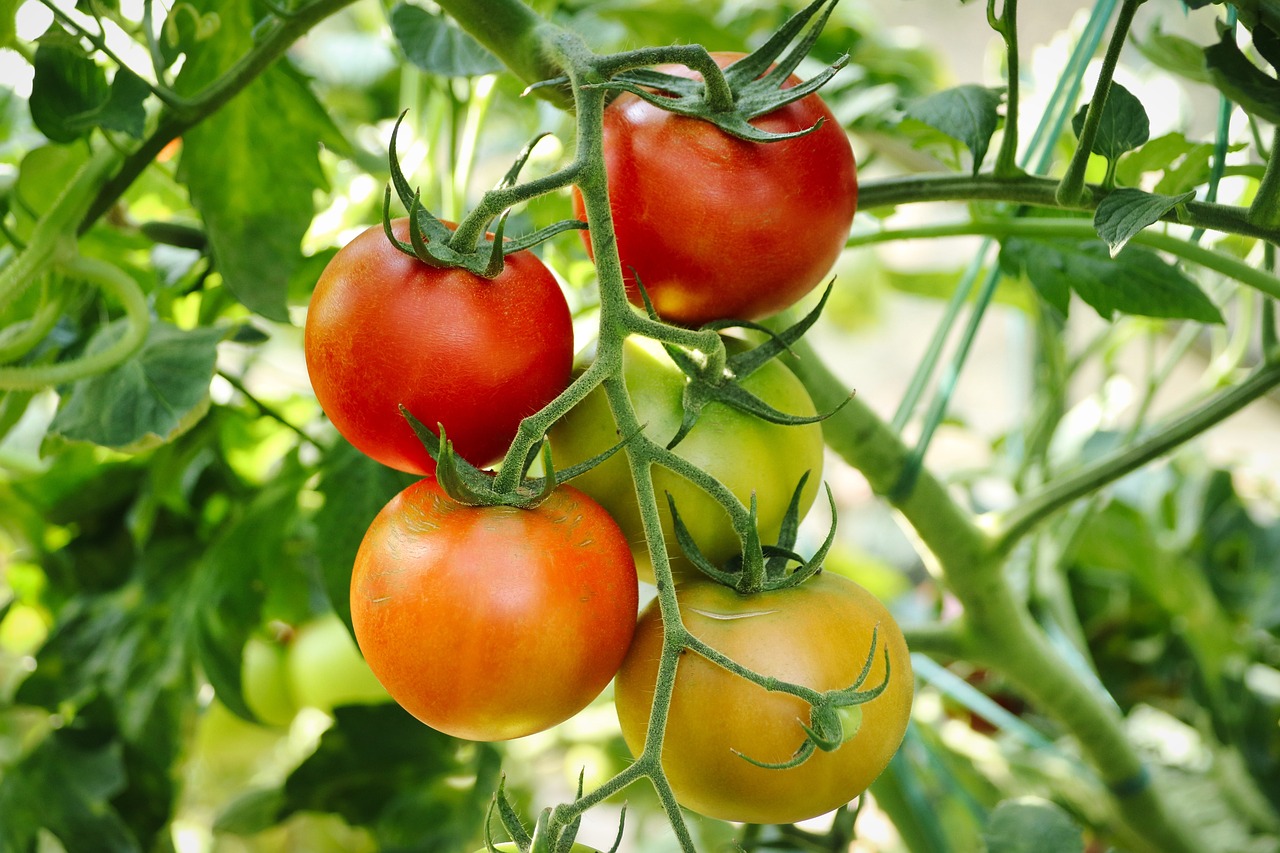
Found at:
<point>1071,192</point>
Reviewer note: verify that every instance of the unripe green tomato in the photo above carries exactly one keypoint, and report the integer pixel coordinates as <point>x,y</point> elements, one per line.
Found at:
<point>265,681</point>
<point>326,668</point>
<point>740,450</point>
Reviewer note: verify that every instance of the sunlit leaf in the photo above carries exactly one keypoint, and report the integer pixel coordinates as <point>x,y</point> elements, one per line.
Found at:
<point>1125,212</point>
<point>1123,127</point>
<point>1032,826</point>
<point>148,399</point>
<point>436,45</point>
<point>968,113</point>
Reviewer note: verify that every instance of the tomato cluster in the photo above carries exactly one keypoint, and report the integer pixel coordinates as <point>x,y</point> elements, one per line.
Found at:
<point>489,621</point>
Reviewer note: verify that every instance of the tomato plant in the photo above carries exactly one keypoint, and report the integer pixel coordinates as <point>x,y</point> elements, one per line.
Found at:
<point>745,453</point>
<point>325,668</point>
<point>491,623</point>
<point>476,355</point>
<point>817,635</point>
<point>717,227</point>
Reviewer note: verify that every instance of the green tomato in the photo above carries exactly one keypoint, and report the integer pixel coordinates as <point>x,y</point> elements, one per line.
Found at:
<point>265,680</point>
<point>327,670</point>
<point>742,451</point>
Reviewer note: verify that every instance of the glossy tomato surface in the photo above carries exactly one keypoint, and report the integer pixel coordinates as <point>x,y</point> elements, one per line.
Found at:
<point>817,635</point>
<point>742,451</point>
<point>493,623</point>
<point>385,329</point>
<point>717,227</point>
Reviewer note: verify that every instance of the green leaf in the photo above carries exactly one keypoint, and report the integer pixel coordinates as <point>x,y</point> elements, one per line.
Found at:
<point>1136,281</point>
<point>68,90</point>
<point>1124,124</point>
<point>1240,80</point>
<point>436,46</point>
<point>355,489</point>
<point>124,109</point>
<point>1032,825</point>
<point>968,113</point>
<point>253,166</point>
<point>148,400</point>
<point>65,788</point>
<point>1174,53</point>
<point>9,22</point>
<point>1125,212</point>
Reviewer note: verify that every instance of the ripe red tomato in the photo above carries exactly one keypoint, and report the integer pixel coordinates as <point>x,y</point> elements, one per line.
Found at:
<point>491,623</point>
<point>477,355</point>
<point>742,451</point>
<point>817,635</point>
<point>717,227</point>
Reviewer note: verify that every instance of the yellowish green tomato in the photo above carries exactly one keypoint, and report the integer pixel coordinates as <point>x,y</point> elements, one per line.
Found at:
<point>742,451</point>
<point>265,681</point>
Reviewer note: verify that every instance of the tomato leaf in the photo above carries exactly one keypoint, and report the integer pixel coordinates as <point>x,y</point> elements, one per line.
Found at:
<point>149,399</point>
<point>68,90</point>
<point>355,488</point>
<point>1174,53</point>
<point>1032,826</point>
<point>1240,80</point>
<point>267,139</point>
<point>1136,281</point>
<point>1124,124</point>
<point>435,45</point>
<point>65,788</point>
<point>1125,212</point>
<point>967,113</point>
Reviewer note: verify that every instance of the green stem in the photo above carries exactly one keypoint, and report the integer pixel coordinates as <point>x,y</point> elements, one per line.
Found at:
<point>1007,25</point>
<point>51,233</point>
<point>1039,192</point>
<point>1265,210</point>
<point>1001,632</point>
<point>21,338</point>
<point>1115,465</point>
<point>137,324</point>
<point>1082,229</point>
<point>1071,191</point>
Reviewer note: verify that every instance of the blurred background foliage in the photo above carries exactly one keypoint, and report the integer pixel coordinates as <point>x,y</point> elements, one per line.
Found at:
<point>175,537</point>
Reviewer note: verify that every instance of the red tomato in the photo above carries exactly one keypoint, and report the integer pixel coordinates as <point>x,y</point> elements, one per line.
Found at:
<point>717,227</point>
<point>490,623</point>
<point>477,355</point>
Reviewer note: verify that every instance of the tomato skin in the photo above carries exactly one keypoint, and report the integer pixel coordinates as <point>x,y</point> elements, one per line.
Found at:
<point>817,635</point>
<point>490,623</point>
<point>385,329</point>
<point>742,451</point>
<point>717,227</point>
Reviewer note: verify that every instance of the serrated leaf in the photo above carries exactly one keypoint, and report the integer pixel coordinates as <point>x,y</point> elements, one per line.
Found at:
<point>1125,212</point>
<point>1242,81</point>
<point>1032,826</point>
<point>1123,127</point>
<point>68,90</point>
<point>149,399</point>
<point>436,46</point>
<point>253,166</point>
<point>1136,281</point>
<point>969,113</point>
<point>355,489</point>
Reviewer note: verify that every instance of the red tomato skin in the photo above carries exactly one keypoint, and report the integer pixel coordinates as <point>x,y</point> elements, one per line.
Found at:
<point>717,227</point>
<point>490,623</point>
<point>477,355</point>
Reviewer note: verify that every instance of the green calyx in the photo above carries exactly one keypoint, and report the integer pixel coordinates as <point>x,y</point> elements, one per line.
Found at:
<point>746,89</point>
<point>712,382</point>
<point>836,716</point>
<point>470,486</point>
<point>549,835</point>
<point>761,568</point>
<point>466,247</point>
